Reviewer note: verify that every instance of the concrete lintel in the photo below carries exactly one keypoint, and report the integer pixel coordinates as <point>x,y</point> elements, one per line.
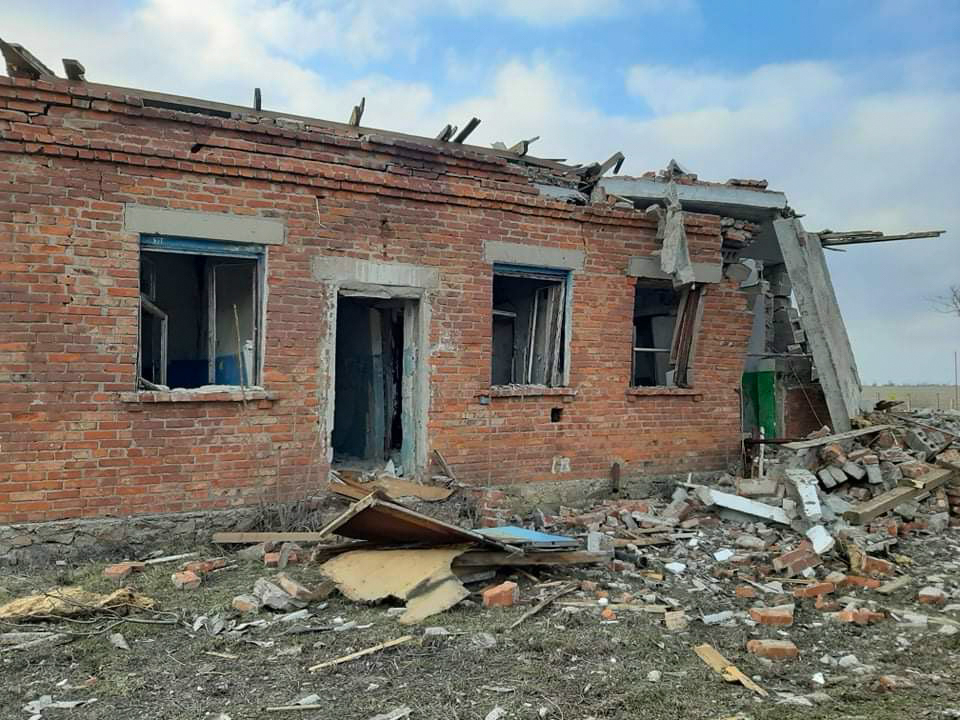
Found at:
<point>497,251</point>
<point>716,194</point>
<point>356,274</point>
<point>647,267</point>
<point>821,320</point>
<point>207,226</point>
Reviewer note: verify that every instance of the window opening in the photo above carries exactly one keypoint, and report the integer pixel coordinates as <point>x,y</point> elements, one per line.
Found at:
<point>664,327</point>
<point>529,333</point>
<point>199,313</point>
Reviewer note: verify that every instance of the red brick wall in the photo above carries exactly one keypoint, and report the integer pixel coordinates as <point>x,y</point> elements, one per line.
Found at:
<point>69,447</point>
<point>804,410</point>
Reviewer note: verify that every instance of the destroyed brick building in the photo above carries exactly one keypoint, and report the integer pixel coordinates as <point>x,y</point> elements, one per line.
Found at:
<point>206,306</point>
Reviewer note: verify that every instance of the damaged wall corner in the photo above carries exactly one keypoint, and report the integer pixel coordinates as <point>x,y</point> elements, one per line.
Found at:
<point>821,320</point>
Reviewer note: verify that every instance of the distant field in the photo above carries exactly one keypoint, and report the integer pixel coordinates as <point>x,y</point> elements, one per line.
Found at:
<point>915,396</point>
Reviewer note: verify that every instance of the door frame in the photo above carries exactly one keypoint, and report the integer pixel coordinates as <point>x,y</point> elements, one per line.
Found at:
<point>415,384</point>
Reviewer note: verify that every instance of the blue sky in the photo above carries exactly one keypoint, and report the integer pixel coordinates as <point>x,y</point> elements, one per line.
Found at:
<point>851,108</point>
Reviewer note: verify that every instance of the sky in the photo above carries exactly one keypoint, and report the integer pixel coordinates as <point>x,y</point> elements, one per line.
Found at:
<point>852,108</point>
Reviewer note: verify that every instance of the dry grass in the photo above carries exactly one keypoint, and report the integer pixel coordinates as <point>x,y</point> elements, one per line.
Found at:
<point>940,397</point>
<point>569,664</point>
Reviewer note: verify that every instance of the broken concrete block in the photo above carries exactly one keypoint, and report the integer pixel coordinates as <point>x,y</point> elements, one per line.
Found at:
<point>505,594</point>
<point>598,541</point>
<point>820,539</point>
<point>246,603</point>
<point>275,597</point>
<point>780,615</point>
<point>854,470</point>
<point>931,595</point>
<point>874,474</point>
<point>804,485</point>
<point>254,552</point>
<point>839,476</point>
<point>773,649</point>
<point>743,505</point>
<point>718,618</point>
<point>122,570</point>
<point>756,487</point>
<point>826,477</point>
<point>675,620</point>
<point>750,542</point>
<point>185,580</point>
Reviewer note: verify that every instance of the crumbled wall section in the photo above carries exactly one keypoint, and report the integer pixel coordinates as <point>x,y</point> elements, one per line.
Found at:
<point>71,160</point>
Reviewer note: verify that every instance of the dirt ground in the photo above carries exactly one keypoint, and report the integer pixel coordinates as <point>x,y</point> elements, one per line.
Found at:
<point>563,663</point>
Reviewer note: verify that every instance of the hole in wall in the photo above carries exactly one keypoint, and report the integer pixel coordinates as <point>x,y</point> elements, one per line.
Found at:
<point>556,414</point>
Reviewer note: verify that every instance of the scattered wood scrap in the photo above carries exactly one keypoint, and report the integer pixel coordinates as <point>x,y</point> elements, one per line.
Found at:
<point>543,603</point>
<point>866,511</point>
<point>839,437</point>
<point>362,653</point>
<point>481,558</point>
<point>726,669</point>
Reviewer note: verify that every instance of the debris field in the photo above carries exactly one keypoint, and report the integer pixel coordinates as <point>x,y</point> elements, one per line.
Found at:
<point>793,593</point>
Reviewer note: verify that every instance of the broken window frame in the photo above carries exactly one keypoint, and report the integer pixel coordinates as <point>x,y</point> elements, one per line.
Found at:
<point>156,243</point>
<point>554,341</point>
<point>686,328</point>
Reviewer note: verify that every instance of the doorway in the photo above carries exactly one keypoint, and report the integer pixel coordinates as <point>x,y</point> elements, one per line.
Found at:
<point>375,361</point>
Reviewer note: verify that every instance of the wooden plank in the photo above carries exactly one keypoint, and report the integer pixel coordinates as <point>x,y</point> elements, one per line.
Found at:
<point>362,653</point>
<point>480,558</point>
<point>839,437</point>
<point>728,671</point>
<point>866,511</point>
<point>251,538</point>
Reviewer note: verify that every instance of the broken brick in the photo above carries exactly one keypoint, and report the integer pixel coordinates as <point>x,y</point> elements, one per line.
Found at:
<point>779,615</point>
<point>122,570</point>
<point>503,595</point>
<point>877,566</point>
<point>826,605</point>
<point>814,590</point>
<point>796,561</point>
<point>608,614</point>
<point>202,567</point>
<point>860,617</point>
<point>185,580</point>
<point>745,591</point>
<point>588,586</point>
<point>293,588</point>
<point>773,649</point>
<point>864,582</point>
<point>914,469</point>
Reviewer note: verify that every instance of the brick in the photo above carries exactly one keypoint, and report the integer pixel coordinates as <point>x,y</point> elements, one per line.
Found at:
<point>294,589</point>
<point>814,590</point>
<point>122,570</point>
<point>781,615</point>
<point>864,582</point>
<point>773,649</point>
<point>505,594</point>
<point>914,470</point>
<point>796,561</point>
<point>185,580</point>
<point>860,617</point>
<point>608,614</point>
<point>877,566</point>
<point>745,591</point>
